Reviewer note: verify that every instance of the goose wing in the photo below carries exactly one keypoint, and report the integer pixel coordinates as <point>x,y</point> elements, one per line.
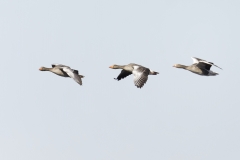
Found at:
<point>58,65</point>
<point>196,60</point>
<point>73,74</point>
<point>203,63</point>
<point>140,75</point>
<point>123,74</point>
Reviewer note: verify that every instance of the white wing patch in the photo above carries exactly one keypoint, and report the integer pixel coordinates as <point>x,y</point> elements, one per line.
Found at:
<point>194,60</point>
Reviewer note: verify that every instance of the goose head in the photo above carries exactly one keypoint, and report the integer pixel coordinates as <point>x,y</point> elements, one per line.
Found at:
<point>113,66</point>
<point>44,69</point>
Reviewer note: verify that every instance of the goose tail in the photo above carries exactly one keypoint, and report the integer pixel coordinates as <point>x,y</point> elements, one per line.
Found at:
<point>153,73</point>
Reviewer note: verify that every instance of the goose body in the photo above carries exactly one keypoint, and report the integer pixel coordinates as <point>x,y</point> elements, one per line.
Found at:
<point>139,72</point>
<point>200,67</point>
<point>64,71</point>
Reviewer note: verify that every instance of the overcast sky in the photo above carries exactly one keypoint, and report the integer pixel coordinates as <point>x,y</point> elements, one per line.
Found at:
<point>177,115</point>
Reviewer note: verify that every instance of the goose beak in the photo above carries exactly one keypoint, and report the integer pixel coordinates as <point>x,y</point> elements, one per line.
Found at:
<point>174,65</point>
<point>111,67</point>
<point>40,69</point>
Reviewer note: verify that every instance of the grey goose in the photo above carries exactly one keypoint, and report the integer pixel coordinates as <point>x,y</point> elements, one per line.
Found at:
<point>200,67</point>
<point>64,71</point>
<point>139,72</point>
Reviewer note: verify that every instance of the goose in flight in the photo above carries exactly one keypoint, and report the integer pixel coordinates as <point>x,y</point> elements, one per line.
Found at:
<point>200,67</point>
<point>139,72</point>
<point>64,71</point>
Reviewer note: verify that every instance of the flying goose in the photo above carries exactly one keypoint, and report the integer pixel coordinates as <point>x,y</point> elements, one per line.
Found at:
<point>139,72</point>
<point>200,67</point>
<point>64,71</point>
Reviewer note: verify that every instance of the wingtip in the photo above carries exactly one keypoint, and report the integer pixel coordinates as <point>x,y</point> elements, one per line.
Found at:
<point>218,67</point>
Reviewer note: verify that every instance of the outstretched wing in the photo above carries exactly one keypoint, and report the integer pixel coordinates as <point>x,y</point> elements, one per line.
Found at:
<point>73,75</point>
<point>122,75</point>
<point>140,75</point>
<point>203,63</point>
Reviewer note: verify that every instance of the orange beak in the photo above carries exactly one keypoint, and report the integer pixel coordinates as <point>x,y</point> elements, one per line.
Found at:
<point>111,67</point>
<point>40,69</point>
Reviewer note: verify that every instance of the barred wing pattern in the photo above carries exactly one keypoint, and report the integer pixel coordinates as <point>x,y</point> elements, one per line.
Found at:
<point>140,75</point>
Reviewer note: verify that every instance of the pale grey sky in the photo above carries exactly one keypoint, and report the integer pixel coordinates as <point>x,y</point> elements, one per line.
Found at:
<point>177,115</point>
